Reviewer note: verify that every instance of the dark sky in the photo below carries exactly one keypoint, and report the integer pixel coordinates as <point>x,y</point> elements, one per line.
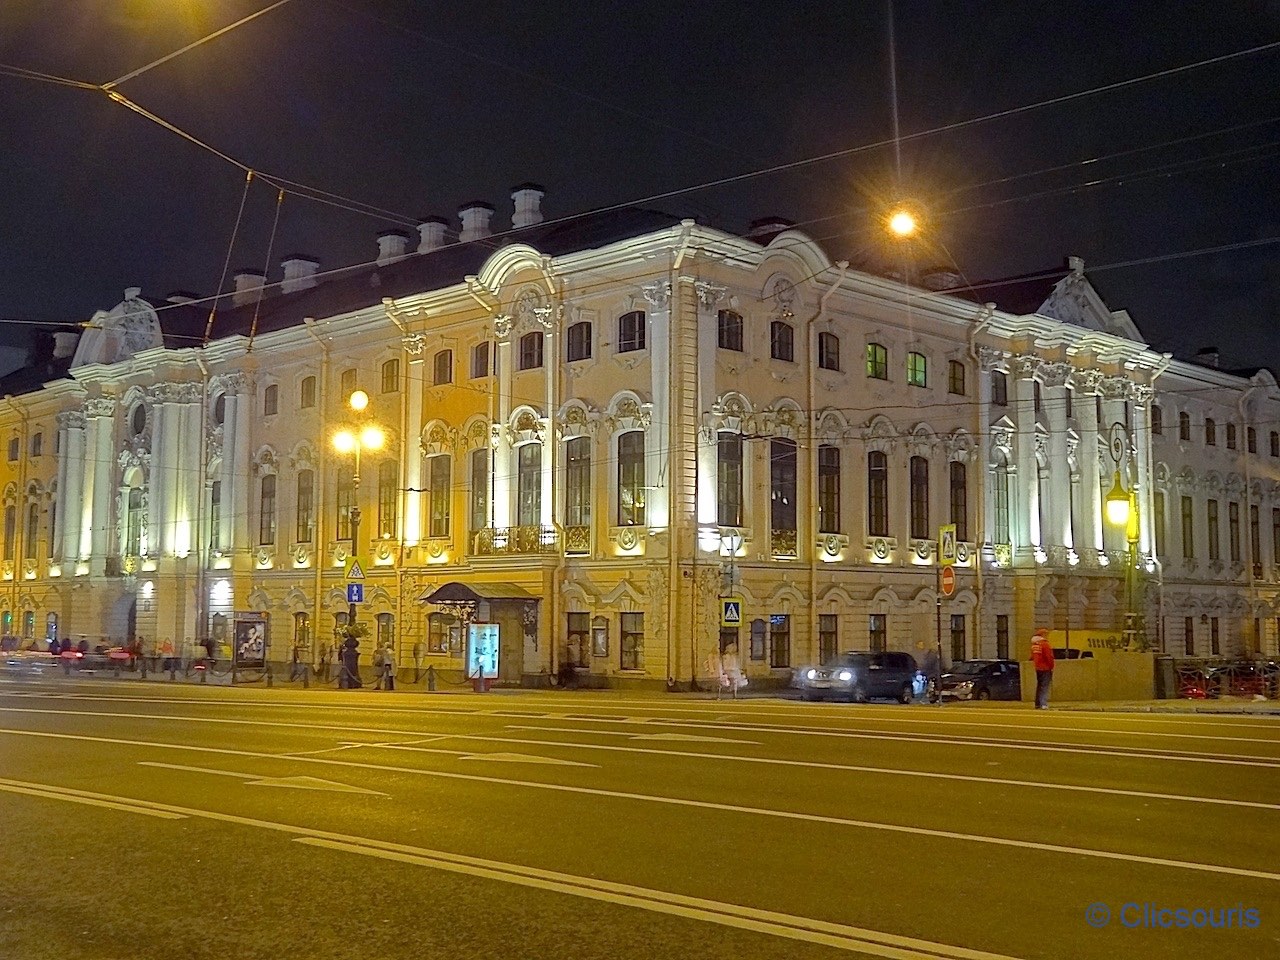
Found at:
<point>417,107</point>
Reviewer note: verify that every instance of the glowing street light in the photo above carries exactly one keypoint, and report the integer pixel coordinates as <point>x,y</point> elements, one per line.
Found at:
<point>1118,504</point>
<point>902,223</point>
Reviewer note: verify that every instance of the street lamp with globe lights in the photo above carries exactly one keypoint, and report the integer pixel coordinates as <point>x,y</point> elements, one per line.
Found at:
<point>1122,511</point>
<point>353,440</point>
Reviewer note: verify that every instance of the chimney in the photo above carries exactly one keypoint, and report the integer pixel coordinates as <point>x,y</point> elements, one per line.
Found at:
<point>766,228</point>
<point>392,245</point>
<point>249,284</point>
<point>431,234</point>
<point>64,344</point>
<point>299,273</point>
<point>528,200</point>
<point>475,220</point>
<point>1207,357</point>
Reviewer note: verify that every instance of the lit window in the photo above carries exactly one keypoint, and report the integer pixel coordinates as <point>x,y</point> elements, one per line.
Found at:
<point>877,494</point>
<point>267,510</point>
<point>877,361</point>
<point>917,370</point>
<point>631,479</point>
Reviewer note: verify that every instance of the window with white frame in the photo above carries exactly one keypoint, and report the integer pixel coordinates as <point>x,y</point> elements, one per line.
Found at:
<point>631,331</point>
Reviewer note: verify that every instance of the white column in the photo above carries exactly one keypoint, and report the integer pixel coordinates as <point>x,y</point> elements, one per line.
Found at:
<point>1057,512</point>
<point>242,468</point>
<point>708,343</point>
<point>988,357</point>
<point>70,484</point>
<point>411,456</point>
<point>657,445</point>
<point>502,465</point>
<point>1024,501</point>
<point>163,455</point>
<point>189,470</point>
<point>1143,481</point>
<point>1086,413</point>
<point>551,441</point>
<point>102,463</point>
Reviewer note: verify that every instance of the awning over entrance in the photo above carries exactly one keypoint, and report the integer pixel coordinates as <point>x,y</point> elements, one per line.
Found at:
<point>454,593</point>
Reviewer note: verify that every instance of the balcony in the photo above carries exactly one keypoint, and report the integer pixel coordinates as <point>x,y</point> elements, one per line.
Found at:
<point>577,541</point>
<point>498,541</point>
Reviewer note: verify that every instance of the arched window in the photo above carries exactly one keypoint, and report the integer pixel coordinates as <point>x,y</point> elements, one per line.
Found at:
<point>386,631</point>
<point>782,341</point>
<point>440,485</point>
<point>531,351</point>
<point>1251,439</point>
<point>828,489</point>
<point>307,393</point>
<point>267,510</point>
<point>306,506</point>
<point>955,378</point>
<point>391,376</point>
<point>919,472</point>
<point>1210,432</point>
<point>729,479</point>
<point>10,531</point>
<point>877,494</point>
<point>344,500</point>
<point>133,524</point>
<point>33,529</point>
<point>1157,420</point>
<point>783,463</point>
<point>220,409</point>
<point>631,331</point>
<point>37,444</point>
<point>480,360</point>
<point>388,498</point>
<point>271,401</point>
<point>729,330</point>
<point>1184,426</point>
<point>302,630</point>
<point>442,367</point>
<point>960,499</point>
<point>1000,501</point>
<point>631,479</point>
<point>828,351</point>
<point>529,485</point>
<point>917,369</point>
<point>578,341</point>
<point>138,420</point>
<point>577,482</point>
<point>347,383</point>
<point>215,516</point>
<point>877,361</point>
<point>1231,436</point>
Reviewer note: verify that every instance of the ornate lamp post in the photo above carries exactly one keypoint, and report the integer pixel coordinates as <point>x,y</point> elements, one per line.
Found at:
<point>353,440</point>
<point>1122,511</point>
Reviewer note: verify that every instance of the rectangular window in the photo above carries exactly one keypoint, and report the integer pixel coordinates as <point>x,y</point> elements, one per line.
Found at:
<point>1188,529</point>
<point>1071,398</point>
<point>267,510</point>
<point>577,488</point>
<point>828,642</point>
<point>307,393</point>
<point>955,378</point>
<point>1251,439</point>
<point>306,516</point>
<point>1184,426</point>
<point>917,369</point>
<point>344,500</point>
<point>828,351</point>
<point>919,498</point>
<point>37,445</point>
<point>782,341</point>
<point>529,485</point>
<point>631,641</point>
<point>828,489</point>
<point>877,494</point>
<point>729,480</point>
<point>779,640</point>
<point>782,484</point>
<point>391,376</point>
<point>440,480</point>
<point>1275,537</point>
<point>347,383</point>
<point>578,645</point>
<point>531,351</point>
<point>271,401</point>
<point>1002,636</point>
<point>1255,538</point>
<point>960,499</point>
<point>999,389</point>
<point>957,637</point>
<point>442,368</point>
<point>480,360</point>
<point>1231,436</point>
<point>388,498</point>
<point>1211,514</point>
<point>729,330</point>
<point>759,641</point>
<point>1215,638</point>
<point>1157,420</point>
<point>878,632</point>
<point>14,447</point>
<point>1275,443</point>
<point>631,476</point>
<point>215,516</point>
<point>578,341</point>
<point>1233,530</point>
<point>1157,507</point>
<point>877,361</point>
<point>631,331</point>
<point>1000,504</point>
<point>1210,433</point>
<point>480,488</point>
<point>1189,636</point>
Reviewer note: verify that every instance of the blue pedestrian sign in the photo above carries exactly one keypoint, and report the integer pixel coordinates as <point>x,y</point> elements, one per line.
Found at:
<point>355,592</point>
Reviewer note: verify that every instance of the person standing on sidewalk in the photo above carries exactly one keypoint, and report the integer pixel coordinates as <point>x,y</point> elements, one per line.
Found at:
<point>1042,660</point>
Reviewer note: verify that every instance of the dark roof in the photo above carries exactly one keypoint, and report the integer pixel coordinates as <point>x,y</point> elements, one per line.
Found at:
<point>1017,295</point>
<point>455,592</point>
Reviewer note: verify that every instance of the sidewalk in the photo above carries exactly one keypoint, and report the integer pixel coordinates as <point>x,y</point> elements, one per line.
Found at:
<point>1223,705</point>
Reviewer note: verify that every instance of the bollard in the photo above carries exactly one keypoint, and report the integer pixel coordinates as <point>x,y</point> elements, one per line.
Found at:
<point>431,678</point>
<point>271,681</point>
<point>204,676</point>
<point>306,676</point>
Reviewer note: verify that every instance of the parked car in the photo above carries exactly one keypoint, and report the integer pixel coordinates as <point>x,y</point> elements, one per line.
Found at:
<point>982,680</point>
<point>860,676</point>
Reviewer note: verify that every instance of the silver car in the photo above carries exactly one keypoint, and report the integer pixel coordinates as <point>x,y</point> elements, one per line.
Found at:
<point>862,676</point>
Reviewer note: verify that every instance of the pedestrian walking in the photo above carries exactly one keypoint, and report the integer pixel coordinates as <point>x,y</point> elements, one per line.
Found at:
<point>388,669</point>
<point>732,670</point>
<point>1042,660</point>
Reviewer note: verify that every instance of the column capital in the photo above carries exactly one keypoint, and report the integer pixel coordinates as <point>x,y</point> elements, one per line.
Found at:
<point>100,407</point>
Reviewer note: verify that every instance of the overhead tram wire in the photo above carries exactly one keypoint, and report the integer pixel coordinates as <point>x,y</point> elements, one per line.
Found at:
<point>271,242</point>
<point>226,264</point>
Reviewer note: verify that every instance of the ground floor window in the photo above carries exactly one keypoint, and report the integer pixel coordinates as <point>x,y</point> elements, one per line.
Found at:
<point>1189,636</point>
<point>444,635</point>
<point>302,630</point>
<point>51,627</point>
<point>878,632</point>
<point>728,638</point>
<point>957,637</point>
<point>779,640</point>
<point>29,624</point>
<point>1002,637</point>
<point>758,643</point>
<point>827,638</point>
<point>386,629</point>
<point>631,641</point>
<point>1215,638</point>
<point>577,641</point>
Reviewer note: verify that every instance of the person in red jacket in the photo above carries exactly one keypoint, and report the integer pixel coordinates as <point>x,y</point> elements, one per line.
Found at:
<point>1042,660</point>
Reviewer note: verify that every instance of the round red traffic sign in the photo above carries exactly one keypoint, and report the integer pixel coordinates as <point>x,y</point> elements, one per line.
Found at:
<point>948,581</point>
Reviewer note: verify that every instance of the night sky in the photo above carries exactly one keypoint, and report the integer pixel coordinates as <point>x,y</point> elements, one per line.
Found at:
<point>417,107</point>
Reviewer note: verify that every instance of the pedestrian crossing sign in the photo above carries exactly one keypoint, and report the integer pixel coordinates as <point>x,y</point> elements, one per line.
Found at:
<point>730,611</point>
<point>354,570</point>
<point>947,545</point>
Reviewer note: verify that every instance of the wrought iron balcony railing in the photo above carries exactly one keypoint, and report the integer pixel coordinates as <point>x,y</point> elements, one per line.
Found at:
<point>495,541</point>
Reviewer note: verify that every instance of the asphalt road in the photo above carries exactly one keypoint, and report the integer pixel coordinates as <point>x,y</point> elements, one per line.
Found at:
<point>151,821</point>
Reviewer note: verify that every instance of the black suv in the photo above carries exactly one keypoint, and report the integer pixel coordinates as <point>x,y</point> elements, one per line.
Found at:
<point>861,676</point>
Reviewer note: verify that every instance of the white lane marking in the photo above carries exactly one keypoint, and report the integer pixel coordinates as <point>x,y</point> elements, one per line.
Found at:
<point>690,738</point>
<point>509,758</point>
<point>253,780</point>
<point>840,936</point>
<point>1153,753</point>
<point>682,802</point>
<point>124,806</point>
<point>874,942</point>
